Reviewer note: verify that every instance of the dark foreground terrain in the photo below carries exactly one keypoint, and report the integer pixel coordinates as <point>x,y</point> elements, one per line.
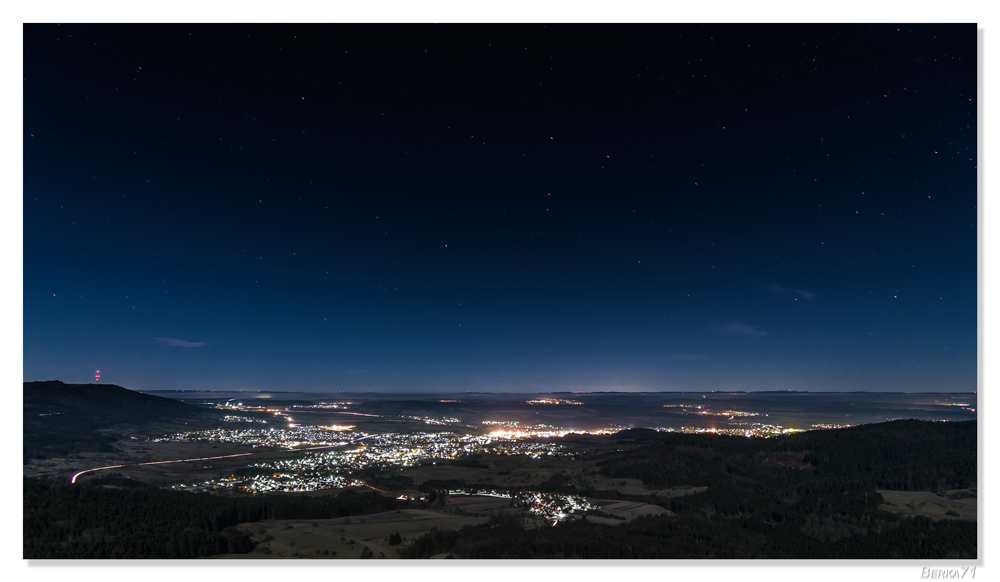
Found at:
<point>807,495</point>
<point>65,419</point>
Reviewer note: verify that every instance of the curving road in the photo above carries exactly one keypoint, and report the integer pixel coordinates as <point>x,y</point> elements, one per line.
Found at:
<point>73,478</point>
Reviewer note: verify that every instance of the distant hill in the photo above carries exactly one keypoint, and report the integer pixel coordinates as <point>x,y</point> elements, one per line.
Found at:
<point>107,402</point>
<point>64,418</point>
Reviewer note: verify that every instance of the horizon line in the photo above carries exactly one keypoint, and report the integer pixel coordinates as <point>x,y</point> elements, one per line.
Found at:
<point>640,392</point>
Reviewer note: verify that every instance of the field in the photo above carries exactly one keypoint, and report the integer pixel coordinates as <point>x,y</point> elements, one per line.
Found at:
<point>346,537</point>
<point>634,487</point>
<point>133,452</point>
<point>371,424</point>
<point>954,504</point>
<point>625,511</point>
<point>503,471</point>
<point>526,472</point>
<point>478,503</point>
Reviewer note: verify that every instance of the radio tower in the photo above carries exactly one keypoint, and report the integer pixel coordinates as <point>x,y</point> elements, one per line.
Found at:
<point>97,377</point>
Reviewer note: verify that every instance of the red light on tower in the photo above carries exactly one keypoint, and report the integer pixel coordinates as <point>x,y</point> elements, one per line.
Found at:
<point>97,377</point>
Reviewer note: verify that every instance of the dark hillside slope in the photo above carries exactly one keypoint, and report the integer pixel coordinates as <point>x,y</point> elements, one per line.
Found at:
<point>92,521</point>
<point>61,419</point>
<point>102,402</point>
<point>901,454</point>
<point>811,495</point>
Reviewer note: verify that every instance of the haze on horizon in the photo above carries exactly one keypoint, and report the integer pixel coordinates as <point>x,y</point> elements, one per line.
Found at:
<point>492,208</point>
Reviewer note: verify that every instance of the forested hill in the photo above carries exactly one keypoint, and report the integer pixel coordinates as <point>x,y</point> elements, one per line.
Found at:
<point>104,401</point>
<point>901,454</point>
<point>103,519</point>
<point>60,419</point>
<point>807,495</point>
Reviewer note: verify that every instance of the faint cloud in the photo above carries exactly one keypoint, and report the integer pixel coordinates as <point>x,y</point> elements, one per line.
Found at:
<point>775,288</point>
<point>805,294</point>
<point>742,329</point>
<point>169,341</point>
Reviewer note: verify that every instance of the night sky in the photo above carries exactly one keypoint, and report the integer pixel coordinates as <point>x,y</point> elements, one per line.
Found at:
<point>501,208</point>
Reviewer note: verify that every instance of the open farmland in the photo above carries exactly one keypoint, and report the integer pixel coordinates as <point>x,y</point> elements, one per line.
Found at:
<point>629,510</point>
<point>133,452</point>
<point>954,504</point>
<point>479,503</point>
<point>635,487</point>
<point>346,537</point>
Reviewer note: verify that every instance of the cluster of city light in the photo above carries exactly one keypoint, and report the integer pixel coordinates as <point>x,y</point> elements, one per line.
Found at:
<point>233,418</point>
<point>325,405</point>
<point>287,438</point>
<point>291,483</point>
<point>437,421</point>
<point>553,506</point>
<point>274,483</point>
<point>748,429</point>
<point>553,401</point>
<point>824,425</point>
<point>249,407</point>
<point>502,494</point>
<point>513,431</point>
<point>527,433</point>
<point>729,413</point>
<point>603,431</point>
<point>318,469</point>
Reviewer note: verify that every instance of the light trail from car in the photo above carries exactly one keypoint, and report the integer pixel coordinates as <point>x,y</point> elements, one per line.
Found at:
<point>73,478</point>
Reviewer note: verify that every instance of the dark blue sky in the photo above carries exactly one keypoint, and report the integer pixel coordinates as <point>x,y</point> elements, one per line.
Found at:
<point>501,208</point>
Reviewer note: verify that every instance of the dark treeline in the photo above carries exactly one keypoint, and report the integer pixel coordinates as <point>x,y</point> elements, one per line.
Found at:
<point>903,454</point>
<point>697,536</point>
<point>819,500</point>
<point>93,521</point>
